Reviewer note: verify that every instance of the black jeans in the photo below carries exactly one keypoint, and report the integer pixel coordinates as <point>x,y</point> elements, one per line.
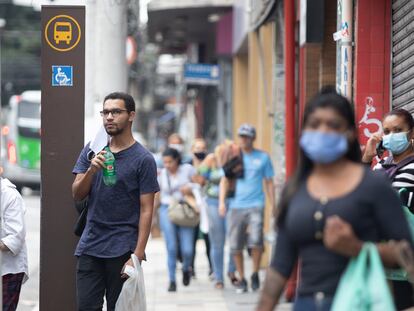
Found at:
<point>207,242</point>
<point>96,277</point>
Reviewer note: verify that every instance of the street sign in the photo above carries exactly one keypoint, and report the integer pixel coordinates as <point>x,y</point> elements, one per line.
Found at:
<point>62,119</point>
<point>62,76</point>
<point>204,74</point>
<point>62,33</point>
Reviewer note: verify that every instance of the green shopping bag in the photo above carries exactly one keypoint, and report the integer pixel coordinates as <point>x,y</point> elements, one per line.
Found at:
<point>408,214</point>
<point>401,274</point>
<point>363,286</point>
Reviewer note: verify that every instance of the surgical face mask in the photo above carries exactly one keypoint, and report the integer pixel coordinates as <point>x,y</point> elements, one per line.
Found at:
<point>397,143</point>
<point>200,155</point>
<point>323,147</point>
<point>178,147</point>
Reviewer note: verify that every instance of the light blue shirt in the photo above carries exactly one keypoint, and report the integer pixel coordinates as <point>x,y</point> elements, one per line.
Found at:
<point>249,189</point>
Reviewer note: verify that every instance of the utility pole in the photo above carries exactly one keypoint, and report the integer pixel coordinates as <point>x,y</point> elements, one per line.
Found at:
<point>106,66</point>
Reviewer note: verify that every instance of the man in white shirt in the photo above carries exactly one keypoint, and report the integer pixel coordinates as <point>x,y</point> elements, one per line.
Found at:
<point>12,244</point>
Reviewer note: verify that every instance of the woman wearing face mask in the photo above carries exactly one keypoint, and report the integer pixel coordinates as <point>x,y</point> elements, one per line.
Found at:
<point>199,153</point>
<point>397,138</point>
<point>331,205</point>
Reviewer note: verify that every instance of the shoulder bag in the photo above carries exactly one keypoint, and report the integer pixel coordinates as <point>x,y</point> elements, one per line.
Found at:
<point>181,212</point>
<point>82,208</point>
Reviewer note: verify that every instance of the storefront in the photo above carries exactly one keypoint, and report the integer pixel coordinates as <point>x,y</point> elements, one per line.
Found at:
<point>403,54</point>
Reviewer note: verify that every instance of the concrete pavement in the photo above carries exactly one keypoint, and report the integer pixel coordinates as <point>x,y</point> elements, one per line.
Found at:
<point>200,295</point>
<point>29,296</point>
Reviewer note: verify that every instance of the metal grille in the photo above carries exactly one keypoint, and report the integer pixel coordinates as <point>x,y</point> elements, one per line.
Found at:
<point>403,54</point>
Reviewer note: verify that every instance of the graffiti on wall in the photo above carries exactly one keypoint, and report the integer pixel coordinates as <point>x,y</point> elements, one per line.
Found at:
<point>370,124</point>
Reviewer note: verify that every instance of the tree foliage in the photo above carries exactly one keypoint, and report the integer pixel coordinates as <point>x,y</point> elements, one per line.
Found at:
<point>20,49</point>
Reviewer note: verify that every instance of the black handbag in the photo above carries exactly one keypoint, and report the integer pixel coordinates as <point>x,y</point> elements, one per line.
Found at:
<point>233,168</point>
<point>82,208</point>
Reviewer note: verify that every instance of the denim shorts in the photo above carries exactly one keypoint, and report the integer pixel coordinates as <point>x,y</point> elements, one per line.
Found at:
<point>245,228</point>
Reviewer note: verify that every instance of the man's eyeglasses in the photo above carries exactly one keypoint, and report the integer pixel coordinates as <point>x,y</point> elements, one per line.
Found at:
<point>114,112</point>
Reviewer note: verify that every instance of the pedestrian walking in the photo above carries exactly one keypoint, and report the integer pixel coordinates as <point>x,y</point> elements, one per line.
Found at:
<point>397,137</point>
<point>246,208</point>
<point>176,142</point>
<point>211,172</point>
<point>13,249</point>
<point>119,216</point>
<point>199,152</point>
<point>175,179</point>
<point>330,206</point>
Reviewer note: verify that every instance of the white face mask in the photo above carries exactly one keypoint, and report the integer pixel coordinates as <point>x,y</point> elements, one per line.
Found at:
<point>178,147</point>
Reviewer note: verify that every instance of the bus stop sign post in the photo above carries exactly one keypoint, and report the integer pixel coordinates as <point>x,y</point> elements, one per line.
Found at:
<point>62,117</point>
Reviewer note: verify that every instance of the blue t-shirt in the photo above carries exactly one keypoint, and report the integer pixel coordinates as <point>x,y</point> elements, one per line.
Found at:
<point>249,189</point>
<point>113,212</point>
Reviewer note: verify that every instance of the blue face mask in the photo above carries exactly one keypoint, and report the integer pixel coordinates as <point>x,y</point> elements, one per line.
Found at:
<point>323,147</point>
<point>397,143</point>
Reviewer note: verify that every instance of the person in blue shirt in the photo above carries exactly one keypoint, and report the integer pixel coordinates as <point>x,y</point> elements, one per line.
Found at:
<point>245,215</point>
<point>119,217</point>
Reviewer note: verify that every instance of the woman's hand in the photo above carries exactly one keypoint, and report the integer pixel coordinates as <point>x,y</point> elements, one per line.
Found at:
<point>371,147</point>
<point>186,190</point>
<point>339,237</point>
<point>222,210</point>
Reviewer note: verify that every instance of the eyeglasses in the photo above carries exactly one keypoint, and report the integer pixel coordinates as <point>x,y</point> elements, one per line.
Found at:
<point>114,112</point>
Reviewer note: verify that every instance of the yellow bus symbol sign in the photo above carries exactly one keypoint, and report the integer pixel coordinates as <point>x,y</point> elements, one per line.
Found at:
<point>62,33</point>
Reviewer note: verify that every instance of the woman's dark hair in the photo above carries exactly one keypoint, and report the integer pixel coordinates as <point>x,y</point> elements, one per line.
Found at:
<point>327,98</point>
<point>402,113</point>
<point>173,153</point>
<point>128,100</point>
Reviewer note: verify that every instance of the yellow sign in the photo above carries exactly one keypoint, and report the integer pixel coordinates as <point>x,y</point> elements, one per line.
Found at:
<point>62,33</point>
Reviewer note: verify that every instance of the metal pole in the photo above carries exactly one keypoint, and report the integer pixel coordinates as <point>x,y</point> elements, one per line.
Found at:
<point>346,48</point>
<point>2,24</point>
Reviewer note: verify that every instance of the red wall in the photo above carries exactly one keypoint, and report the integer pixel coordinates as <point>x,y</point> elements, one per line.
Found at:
<point>372,64</point>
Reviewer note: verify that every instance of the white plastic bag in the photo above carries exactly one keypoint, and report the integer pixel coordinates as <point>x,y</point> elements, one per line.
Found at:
<point>202,206</point>
<point>132,296</point>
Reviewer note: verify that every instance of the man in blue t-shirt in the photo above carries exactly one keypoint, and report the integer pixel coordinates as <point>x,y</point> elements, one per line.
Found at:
<point>119,216</point>
<point>245,215</point>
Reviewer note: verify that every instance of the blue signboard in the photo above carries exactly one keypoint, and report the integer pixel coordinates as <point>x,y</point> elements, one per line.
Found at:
<point>201,74</point>
<point>62,76</point>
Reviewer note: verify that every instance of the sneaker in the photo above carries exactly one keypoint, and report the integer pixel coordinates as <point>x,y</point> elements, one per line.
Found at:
<point>233,279</point>
<point>241,287</point>
<point>186,278</point>
<point>255,281</point>
<point>211,276</point>
<point>172,287</point>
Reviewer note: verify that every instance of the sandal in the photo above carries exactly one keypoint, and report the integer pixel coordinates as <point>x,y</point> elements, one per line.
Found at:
<point>219,285</point>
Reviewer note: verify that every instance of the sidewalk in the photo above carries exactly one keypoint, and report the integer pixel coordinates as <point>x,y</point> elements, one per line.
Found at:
<point>200,295</point>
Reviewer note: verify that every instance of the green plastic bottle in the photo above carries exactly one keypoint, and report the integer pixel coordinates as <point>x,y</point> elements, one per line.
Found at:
<point>109,172</point>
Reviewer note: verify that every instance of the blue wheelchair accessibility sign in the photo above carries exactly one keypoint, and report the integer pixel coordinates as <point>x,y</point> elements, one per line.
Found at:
<point>62,76</point>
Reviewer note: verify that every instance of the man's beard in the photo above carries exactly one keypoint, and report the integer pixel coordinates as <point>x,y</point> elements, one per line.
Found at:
<point>114,131</point>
